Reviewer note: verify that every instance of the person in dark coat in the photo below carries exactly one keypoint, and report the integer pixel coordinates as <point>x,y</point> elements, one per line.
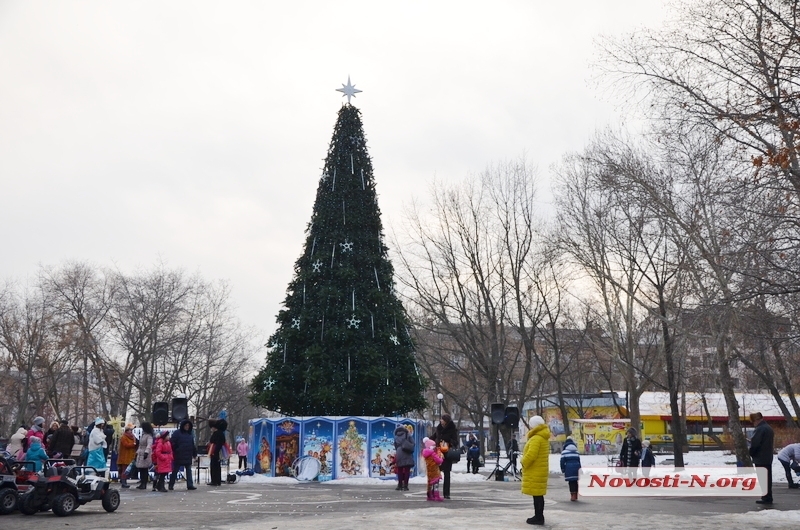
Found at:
<point>473,454</point>
<point>185,451</point>
<point>648,458</point>
<point>571,467</point>
<point>62,441</point>
<point>631,452</point>
<point>512,451</point>
<point>446,436</point>
<point>404,456</point>
<point>761,447</point>
<point>48,436</point>
<point>108,431</point>
<point>218,428</point>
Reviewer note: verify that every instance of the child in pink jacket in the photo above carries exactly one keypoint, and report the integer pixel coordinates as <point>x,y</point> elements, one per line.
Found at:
<point>433,459</point>
<point>241,450</point>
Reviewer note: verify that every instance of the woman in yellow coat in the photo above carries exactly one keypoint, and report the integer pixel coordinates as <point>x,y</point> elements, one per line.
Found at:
<point>536,467</point>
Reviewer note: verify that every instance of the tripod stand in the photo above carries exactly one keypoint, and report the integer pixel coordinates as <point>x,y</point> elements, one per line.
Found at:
<point>497,467</point>
<point>512,463</point>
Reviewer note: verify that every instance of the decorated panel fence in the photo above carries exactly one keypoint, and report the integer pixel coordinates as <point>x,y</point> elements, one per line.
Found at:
<point>345,447</point>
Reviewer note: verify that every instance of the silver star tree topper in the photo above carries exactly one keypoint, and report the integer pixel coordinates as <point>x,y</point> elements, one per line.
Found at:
<point>348,90</point>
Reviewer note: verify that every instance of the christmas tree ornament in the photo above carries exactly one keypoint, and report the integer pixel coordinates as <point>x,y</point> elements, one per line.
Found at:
<point>353,322</point>
<point>348,90</point>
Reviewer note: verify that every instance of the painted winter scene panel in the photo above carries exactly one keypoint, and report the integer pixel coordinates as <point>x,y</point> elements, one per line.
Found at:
<point>261,447</point>
<point>287,446</point>
<point>351,460</point>
<point>381,449</point>
<point>318,443</point>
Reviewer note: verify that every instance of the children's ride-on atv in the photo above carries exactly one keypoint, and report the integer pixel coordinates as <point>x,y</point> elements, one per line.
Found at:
<point>64,488</point>
<point>15,479</point>
<point>8,488</point>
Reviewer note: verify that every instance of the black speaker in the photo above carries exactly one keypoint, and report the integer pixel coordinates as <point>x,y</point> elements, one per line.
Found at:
<point>160,413</point>
<point>180,410</point>
<point>498,413</point>
<point>511,417</point>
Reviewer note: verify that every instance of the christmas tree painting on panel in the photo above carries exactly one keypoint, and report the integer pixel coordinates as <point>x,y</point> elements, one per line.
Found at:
<point>342,346</point>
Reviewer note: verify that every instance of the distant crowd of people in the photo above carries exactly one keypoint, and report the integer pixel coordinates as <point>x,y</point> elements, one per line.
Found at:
<point>163,454</point>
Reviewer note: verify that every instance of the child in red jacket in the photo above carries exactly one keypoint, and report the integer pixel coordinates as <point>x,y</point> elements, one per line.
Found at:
<point>162,459</point>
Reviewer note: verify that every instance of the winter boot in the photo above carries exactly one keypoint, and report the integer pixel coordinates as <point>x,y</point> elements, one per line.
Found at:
<point>538,510</point>
<point>399,486</point>
<point>436,495</point>
<point>430,495</point>
<point>573,495</point>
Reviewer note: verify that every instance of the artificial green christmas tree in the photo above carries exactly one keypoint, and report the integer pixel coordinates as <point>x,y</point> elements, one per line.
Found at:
<point>343,345</point>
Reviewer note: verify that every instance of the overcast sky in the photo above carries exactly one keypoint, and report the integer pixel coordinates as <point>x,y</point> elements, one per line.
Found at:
<point>194,132</point>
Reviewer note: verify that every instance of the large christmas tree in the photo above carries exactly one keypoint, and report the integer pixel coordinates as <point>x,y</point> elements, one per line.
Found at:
<point>343,344</point>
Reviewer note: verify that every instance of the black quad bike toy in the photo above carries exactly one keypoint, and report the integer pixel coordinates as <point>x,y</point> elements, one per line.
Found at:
<point>65,487</point>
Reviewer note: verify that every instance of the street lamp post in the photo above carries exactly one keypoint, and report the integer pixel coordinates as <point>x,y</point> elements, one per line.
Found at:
<point>440,397</point>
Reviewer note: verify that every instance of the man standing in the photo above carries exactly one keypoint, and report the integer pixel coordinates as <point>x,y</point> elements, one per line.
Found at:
<point>761,445</point>
<point>512,451</point>
<point>185,451</point>
<point>631,452</point>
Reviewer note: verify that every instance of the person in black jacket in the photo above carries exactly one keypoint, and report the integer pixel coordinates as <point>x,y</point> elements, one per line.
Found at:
<point>218,428</point>
<point>108,431</point>
<point>473,454</point>
<point>761,447</point>
<point>630,452</point>
<point>184,452</point>
<point>446,436</point>
<point>512,451</point>
<point>62,441</point>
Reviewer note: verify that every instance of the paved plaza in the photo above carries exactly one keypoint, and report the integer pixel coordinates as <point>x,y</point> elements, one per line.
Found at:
<point>475,505</point>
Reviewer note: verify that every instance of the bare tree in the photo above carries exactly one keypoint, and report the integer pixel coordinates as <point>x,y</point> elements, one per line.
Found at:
<point>33,352</point>
<point>729,66</point>
<point>81,300</point>
<point>466,271</point>
<point>603,236</point>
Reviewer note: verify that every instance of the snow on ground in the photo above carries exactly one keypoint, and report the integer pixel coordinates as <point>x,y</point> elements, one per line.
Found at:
<point>693,458</point>
<point>459,474</point>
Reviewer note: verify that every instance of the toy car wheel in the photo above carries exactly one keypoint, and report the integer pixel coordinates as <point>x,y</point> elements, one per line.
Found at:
<point>8,501</point>
<point>64,504</point>
<point>111,500</point>
<point>27,506</point>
